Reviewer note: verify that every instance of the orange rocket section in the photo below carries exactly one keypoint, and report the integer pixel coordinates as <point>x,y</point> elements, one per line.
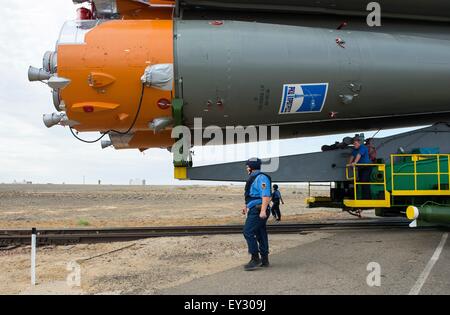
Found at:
<point>105,78</point>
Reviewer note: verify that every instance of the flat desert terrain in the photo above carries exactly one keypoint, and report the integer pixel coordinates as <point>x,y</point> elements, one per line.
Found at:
<point>59,206</point>
<point>139,267</point>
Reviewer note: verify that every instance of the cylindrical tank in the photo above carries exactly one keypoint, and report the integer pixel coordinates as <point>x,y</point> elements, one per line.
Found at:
<point>430,213</point>
<point>307,79</point>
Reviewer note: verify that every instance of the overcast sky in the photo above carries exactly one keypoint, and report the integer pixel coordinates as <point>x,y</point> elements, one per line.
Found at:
<point>30,151</point>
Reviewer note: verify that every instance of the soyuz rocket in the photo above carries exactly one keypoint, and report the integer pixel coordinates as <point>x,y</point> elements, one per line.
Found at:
<point>132,70</point>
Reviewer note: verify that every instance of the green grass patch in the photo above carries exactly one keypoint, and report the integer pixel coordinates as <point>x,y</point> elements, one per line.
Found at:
<point>82,222</point>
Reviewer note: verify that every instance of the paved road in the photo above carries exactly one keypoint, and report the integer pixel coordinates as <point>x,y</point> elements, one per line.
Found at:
<point>338,264</point>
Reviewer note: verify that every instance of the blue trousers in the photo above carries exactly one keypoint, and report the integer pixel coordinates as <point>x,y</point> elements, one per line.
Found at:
<point>255,232</point>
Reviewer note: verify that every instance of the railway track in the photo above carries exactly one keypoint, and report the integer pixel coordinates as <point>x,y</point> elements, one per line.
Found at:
<point>102,235</point>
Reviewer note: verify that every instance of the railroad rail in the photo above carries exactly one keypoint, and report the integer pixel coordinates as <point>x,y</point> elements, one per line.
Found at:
<point>102,235</point>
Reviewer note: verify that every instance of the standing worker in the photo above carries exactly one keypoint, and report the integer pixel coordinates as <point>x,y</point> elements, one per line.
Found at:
<point>257,199</point>
<point>276,198</point>
<point>360,155</point>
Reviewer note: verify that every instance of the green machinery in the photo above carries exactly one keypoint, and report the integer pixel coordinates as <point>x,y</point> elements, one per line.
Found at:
<point>412,183</point>
<point>415,184</point>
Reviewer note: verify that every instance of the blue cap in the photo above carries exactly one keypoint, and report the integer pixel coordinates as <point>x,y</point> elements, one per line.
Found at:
<point>254,163</point>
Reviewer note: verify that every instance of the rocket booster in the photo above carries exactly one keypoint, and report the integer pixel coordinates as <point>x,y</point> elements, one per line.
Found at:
<point>124,76</point>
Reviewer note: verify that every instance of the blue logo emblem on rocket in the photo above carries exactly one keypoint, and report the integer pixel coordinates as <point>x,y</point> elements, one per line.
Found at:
<point>303,98</point>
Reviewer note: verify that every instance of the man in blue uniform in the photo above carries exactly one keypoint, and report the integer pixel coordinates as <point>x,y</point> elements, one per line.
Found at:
<point>276,198</point>
<point>360,155</point>
<point>257,198</point>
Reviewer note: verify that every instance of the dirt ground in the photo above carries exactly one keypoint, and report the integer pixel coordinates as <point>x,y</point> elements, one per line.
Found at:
<point>58,206</point>
<point>139,267</point>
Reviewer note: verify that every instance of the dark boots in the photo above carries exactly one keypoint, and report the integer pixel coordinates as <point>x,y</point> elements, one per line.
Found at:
<point>257,262</point>
<point>253,263</point>
<point>264,261</point>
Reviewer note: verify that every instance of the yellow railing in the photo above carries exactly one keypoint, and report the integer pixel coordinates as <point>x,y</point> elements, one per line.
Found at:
<point>367,203</point>
<point>414,158</point>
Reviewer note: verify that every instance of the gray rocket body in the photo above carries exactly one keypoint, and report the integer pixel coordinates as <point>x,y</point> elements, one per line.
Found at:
<point>307,78</point>
<point>430,10</point>
<point>308,67</point>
